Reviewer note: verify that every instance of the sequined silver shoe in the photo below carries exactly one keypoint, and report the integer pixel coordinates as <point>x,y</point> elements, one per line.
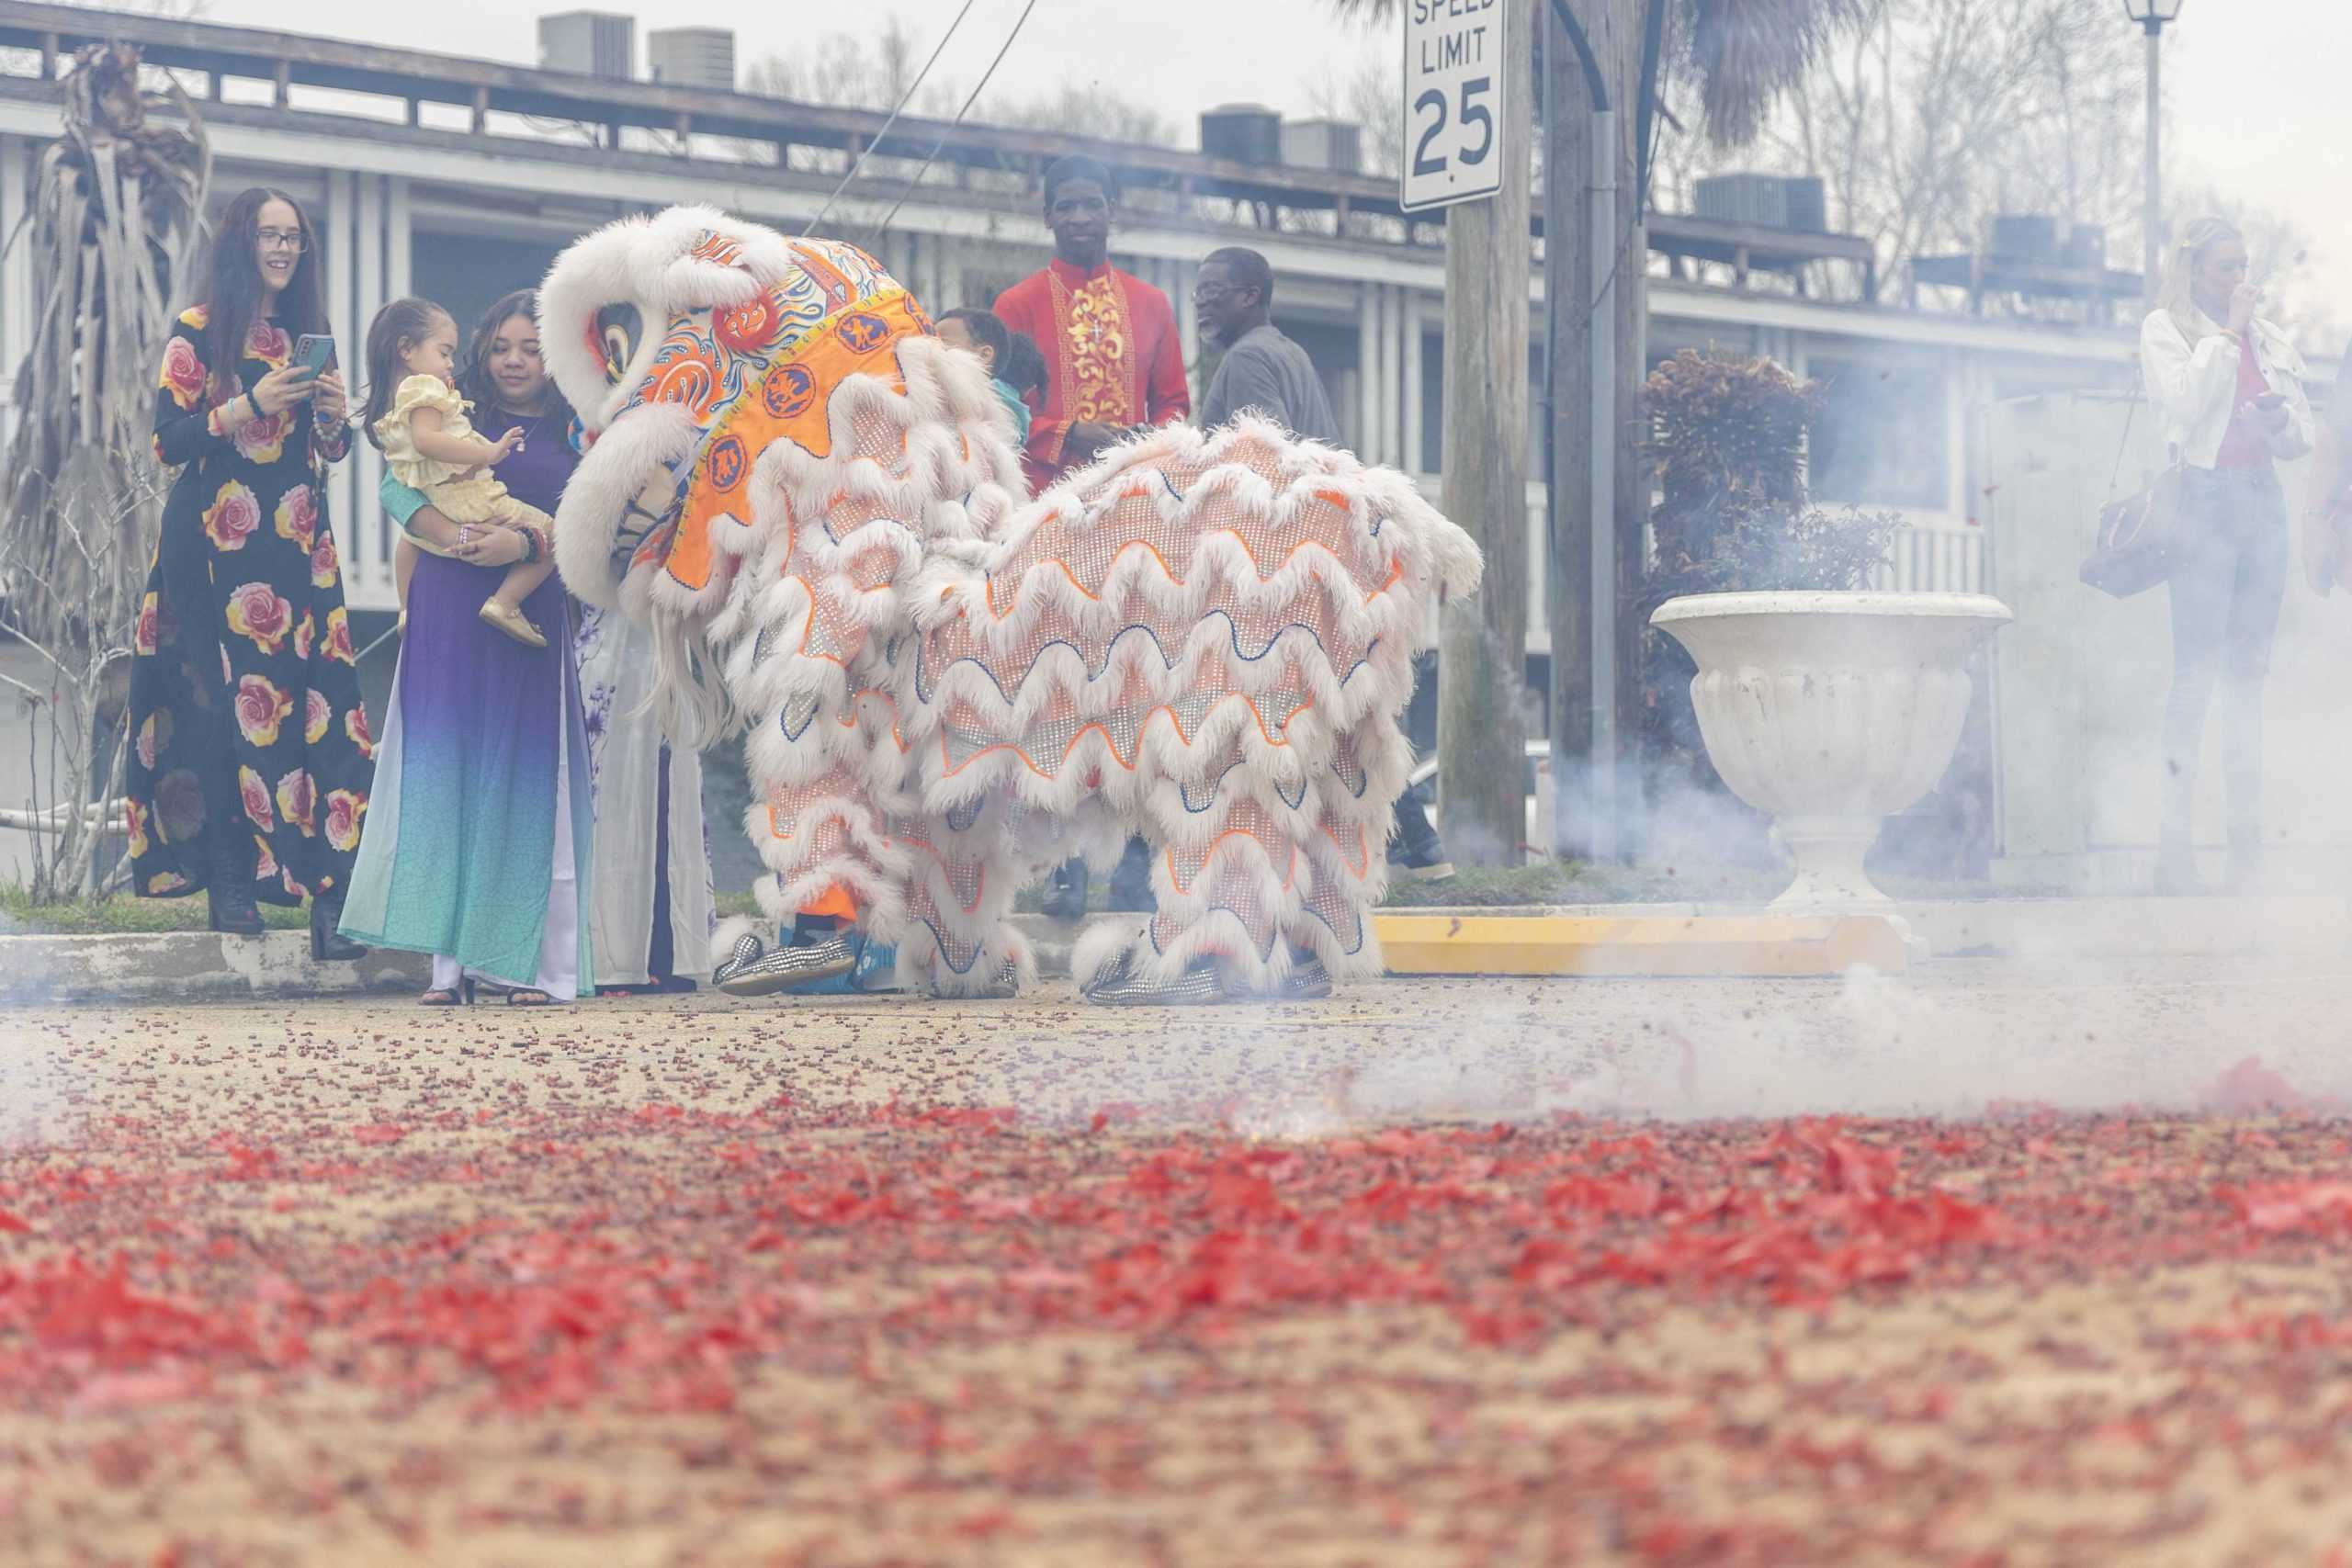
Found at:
<point>1004,987</point>
<point>750,971</point>
<point>1307,982</point>
<point>747,948</point>
<point>1116,985</point>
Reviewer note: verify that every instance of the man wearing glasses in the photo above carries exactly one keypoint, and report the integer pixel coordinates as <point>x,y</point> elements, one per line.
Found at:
<point>1262,371</point>
<point>1265,373</point>
<point>1113,361</point>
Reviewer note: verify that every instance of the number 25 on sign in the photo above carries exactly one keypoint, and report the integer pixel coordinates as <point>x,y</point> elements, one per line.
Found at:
<point>1456,94</point>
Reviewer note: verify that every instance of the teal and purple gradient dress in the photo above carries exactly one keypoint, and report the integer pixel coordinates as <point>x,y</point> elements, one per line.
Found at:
<point>476,848</point>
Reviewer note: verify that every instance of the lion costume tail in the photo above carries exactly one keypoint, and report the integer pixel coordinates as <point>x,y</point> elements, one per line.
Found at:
<point>1208,637</point>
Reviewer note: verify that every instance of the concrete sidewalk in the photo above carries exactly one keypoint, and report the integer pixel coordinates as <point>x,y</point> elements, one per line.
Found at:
<point>199,966</point>
<point>164,966</point>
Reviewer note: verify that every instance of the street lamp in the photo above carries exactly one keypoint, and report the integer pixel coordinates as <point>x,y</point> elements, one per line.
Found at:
<point>2152,15</point>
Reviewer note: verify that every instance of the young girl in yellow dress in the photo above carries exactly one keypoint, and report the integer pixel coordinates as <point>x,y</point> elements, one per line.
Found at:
<point>416,419</point>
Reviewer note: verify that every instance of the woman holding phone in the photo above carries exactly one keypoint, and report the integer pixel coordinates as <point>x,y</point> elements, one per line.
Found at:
<point>2227,389</point>
<point>250,762</point>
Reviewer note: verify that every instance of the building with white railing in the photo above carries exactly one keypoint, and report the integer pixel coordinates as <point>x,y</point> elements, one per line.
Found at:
<point>460,178</point>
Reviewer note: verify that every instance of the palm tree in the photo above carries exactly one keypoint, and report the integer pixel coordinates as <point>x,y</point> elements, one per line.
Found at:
<point>1739,57</point>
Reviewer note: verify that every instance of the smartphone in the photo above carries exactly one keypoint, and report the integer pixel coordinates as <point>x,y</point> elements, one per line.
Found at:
<point>2269,400</point>
<point>315,351</point>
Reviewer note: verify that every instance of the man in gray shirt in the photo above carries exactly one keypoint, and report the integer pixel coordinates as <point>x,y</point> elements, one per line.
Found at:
<point>1265,373</point>
<point>1262,371</point>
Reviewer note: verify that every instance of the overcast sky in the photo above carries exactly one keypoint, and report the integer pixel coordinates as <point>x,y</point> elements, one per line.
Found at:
<point>2261,89</point>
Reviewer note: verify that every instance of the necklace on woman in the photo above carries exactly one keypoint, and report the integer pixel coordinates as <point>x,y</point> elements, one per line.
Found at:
<point>529,421</point>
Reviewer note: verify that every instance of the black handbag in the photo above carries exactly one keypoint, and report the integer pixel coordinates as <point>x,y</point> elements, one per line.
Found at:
<point>2137,534</point>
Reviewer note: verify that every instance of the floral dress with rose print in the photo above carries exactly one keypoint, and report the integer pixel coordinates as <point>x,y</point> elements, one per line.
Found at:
<point>245,691</point>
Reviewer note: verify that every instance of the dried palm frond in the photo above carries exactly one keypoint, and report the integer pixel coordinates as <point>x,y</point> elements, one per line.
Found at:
<point>1744,54</point>
<point>114,209</point>
<point>116,202</point>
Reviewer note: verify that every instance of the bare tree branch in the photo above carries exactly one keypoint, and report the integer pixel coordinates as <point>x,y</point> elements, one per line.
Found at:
<point>1935,114</point>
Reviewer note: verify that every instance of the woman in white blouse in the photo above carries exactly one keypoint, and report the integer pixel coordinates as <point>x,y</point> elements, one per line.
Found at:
<point>2227,389</point>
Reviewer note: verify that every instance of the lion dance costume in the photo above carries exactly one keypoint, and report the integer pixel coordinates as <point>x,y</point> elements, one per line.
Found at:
<point>1206,638</point>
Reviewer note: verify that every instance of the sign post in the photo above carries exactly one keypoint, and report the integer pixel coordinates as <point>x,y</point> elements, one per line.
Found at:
<point>1457,101</point>
<point>1467,151</point>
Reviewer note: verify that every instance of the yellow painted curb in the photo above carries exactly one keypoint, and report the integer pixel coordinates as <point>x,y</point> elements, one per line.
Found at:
<point>1763,946</point>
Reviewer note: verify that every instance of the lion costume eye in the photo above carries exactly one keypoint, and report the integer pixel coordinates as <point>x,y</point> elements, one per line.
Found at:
<point>618,327</point>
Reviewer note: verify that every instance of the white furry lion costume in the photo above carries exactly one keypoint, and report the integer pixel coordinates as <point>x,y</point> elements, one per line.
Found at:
<point>1204,639</point>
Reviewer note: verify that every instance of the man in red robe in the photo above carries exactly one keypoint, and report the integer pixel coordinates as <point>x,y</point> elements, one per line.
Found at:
<point>1113,360</point>
<point>1114,364</point>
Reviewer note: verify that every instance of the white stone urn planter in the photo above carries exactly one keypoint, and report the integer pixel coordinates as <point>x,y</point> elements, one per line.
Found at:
<point>1831,712</point>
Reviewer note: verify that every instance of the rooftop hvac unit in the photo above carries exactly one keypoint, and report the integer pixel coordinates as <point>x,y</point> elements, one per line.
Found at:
<point>692,57</point>
<point>1247,133</point>
<point>591,43</point>
<point>2024,237</point>
<point>1334,144</point>
<point>1768,201</point>
<point>2032,240</point>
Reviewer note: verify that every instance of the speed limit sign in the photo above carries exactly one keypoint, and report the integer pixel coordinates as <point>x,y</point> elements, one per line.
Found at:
<point>1457,90</point>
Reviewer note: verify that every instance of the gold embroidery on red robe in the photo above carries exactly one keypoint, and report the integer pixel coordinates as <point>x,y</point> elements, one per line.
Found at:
<point>1097,339</point>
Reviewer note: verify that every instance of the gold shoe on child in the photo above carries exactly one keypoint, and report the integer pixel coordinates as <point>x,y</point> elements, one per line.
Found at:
<point>513,622</point>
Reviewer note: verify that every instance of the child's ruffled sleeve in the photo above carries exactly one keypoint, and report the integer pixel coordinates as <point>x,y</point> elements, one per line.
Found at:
<point>393,433</point>
<point>427,392</point>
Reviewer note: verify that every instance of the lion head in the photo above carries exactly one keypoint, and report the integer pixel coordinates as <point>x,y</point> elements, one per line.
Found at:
<point>690,342</point>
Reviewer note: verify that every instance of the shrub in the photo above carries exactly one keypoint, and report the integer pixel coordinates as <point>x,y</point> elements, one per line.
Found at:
<point>1727,437</point>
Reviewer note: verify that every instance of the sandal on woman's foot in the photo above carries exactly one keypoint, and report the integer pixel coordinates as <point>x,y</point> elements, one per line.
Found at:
<point>513,622</point>
<point>529,997</point>
<point>460,995</point>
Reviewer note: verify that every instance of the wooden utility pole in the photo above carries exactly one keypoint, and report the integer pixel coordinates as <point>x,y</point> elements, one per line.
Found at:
<point>1482,667</point>
<point>1594,776</point>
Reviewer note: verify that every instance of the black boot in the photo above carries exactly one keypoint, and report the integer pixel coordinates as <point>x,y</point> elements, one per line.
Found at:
<point>1131,883</point>
<point>229,890</point>
<point>1065,896</point>
<point>2245,874</point>
<point>1414,846</point>
<point>327,943</point>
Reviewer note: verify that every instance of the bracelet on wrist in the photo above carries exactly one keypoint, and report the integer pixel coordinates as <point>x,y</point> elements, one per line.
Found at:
<point>254,402</point>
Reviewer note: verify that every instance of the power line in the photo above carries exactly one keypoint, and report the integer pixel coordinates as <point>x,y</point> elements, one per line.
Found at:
<point>859,162</point>
<point>1018,23</point>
